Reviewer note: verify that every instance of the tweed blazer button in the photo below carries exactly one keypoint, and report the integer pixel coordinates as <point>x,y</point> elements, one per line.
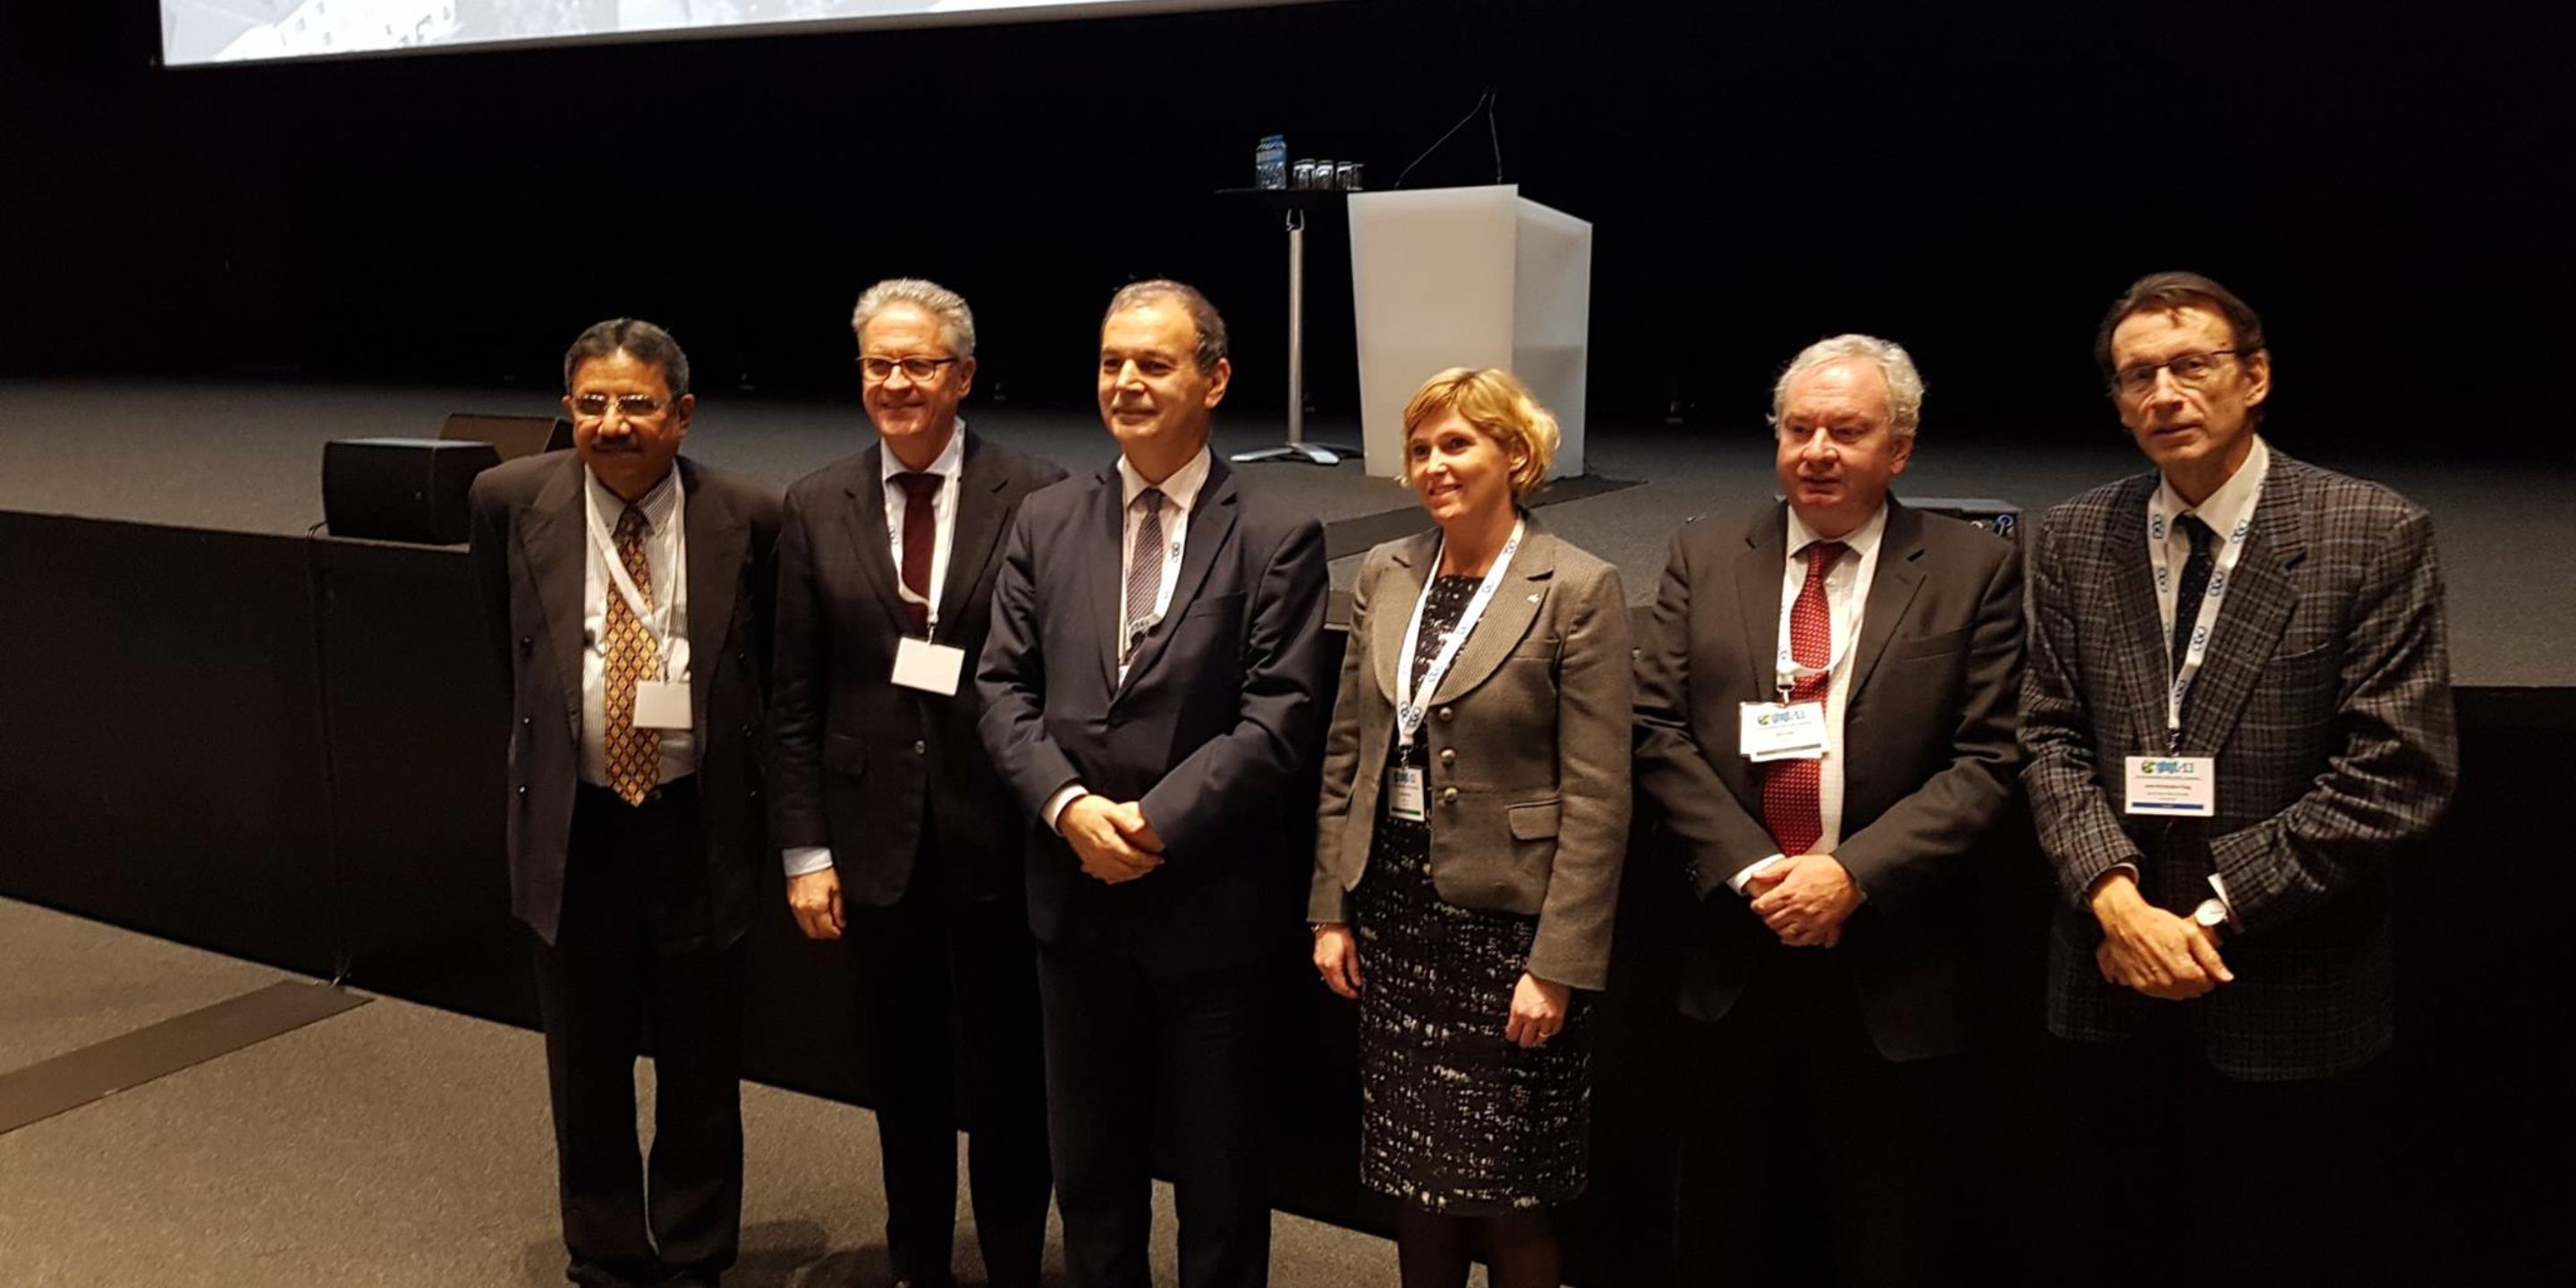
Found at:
<point>1448,755</point>
<point>1448,713</point>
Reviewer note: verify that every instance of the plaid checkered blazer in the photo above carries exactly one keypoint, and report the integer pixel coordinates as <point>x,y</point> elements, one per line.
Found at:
<point>2326,699</point>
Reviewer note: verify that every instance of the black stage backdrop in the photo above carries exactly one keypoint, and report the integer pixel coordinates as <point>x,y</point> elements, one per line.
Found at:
<point>2389,182</point>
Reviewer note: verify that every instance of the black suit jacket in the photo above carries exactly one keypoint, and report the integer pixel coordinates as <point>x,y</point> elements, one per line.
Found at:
<point>529,543</point>
<point>1214,730</point>
<point>1928,754</point>
<point>856,759</point>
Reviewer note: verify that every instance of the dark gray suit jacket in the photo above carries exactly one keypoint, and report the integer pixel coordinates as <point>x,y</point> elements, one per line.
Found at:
<point>856,760</point>
<point>1214,731</point>
<point>529,545</point>
<point>1528,740</point>
<point>1928,755</point>
<point>2326,698</point>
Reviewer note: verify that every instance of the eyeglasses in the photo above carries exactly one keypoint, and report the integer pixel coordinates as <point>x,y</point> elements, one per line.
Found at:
<point>915,369</point>
<point>2191,370</point>
<point>632,406</point>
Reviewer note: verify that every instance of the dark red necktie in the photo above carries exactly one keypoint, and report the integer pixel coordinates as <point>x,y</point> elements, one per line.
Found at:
<point>920,542</point>
<point>1792,808</point>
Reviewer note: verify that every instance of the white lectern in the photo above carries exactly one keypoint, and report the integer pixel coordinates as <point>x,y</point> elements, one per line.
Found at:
<point>1468,277</point>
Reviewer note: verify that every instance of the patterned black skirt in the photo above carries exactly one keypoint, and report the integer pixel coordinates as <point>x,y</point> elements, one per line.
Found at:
<point>1455,1119</point>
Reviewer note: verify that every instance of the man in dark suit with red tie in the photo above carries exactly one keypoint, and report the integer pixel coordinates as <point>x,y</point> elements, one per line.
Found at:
<point>1825,731</point>
<point>1154,676</point>
<point>628,590</point>
<point>895,830</point>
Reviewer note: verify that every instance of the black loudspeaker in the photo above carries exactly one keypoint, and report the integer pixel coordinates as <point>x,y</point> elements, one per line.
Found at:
<point>2001,518</point>
<point>400,489</point>
<point>512,436</point>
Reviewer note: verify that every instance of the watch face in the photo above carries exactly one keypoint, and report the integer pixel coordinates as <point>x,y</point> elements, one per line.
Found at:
<point>2212,913</point>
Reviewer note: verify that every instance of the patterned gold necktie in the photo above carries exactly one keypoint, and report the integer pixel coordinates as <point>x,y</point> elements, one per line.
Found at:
<point>634,755</point>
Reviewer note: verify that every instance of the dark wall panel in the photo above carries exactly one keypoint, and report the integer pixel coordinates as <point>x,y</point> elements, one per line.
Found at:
<point>164,768</point>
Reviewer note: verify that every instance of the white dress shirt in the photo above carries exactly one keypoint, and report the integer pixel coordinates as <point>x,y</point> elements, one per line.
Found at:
<point>950,466</point>
<point>2222,510</point>
<point>665,556</point>
<point>1180,496</point>
<point>1846,595</point>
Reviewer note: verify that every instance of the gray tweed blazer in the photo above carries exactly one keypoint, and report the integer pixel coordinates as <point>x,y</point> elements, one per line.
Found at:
<point>2326,699</point>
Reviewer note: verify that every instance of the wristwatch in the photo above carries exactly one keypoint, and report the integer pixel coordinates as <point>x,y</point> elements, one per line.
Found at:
<point>2211,914</point>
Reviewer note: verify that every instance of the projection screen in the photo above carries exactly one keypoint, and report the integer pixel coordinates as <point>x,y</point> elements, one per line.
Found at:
<point>224,31</point>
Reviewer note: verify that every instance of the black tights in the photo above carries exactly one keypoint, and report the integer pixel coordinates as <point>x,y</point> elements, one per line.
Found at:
<point>1518,1249</point>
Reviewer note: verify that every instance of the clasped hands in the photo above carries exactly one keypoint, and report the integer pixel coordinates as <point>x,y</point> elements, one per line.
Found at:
<point>1804,899</point>
<point>1111,838</point>
<point>2151,950</point>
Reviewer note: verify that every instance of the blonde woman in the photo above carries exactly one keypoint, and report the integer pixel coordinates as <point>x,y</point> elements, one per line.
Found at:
<point>1473,820</point>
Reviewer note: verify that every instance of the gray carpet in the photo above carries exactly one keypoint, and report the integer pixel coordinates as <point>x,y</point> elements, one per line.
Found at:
<point>392,1146</point>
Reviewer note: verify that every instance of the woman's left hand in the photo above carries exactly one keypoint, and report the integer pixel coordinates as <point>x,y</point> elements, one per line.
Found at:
<point>1538,1010</point>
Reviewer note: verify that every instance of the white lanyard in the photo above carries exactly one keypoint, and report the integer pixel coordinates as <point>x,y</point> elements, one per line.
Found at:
<point>656,621</point>
<point>1785,668</point>
<point>2159,527</point>
<point>1408,714</point>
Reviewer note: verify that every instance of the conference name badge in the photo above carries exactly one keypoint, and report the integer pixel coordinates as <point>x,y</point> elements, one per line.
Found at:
<point>1404,794</point>
<point>931,668</point>
<point>1781,731</point>
<point>661,704</point>
<point>2173,786</point>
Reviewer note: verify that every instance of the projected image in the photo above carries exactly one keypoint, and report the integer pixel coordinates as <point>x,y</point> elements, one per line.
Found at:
<point>219,31</point>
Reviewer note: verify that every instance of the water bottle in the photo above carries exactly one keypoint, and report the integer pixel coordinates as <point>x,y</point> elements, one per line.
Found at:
<point>1270,162</point>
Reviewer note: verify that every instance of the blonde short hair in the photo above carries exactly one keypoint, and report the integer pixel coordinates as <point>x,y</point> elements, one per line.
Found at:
<point>1501,407</point>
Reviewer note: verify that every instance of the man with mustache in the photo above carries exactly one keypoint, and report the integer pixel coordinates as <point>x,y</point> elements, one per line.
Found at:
<point>628,590</point>
<point>894,828</point>
<point>1824,728</point>
<point>2238,716</point>
<point>1153,678</point>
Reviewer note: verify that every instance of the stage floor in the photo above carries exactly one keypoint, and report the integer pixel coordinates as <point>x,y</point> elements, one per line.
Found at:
<point>242,456</point>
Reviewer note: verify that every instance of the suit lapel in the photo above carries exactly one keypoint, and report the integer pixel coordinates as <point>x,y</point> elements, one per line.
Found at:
<point>718,539</point>
<point>1211,524</point>
<point>865,493</point>
<point>1758,573</point>
<point>1414,565</point>
<point>2140,645</point>
<point>554,537</point>
<point>977,531</point>
<point>1105,570</point>
<point>1515,606</point>
<point>1891,591</point>
<point>2252,614</point>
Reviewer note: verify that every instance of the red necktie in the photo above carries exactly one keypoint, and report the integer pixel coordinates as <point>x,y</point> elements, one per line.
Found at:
<point>920,539</point>
<point>1791,807</point>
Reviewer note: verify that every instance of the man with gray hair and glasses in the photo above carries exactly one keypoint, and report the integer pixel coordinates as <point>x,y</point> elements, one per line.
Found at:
<point>894,829</point>
<point>2238,717</point>
<point>1825,729</point>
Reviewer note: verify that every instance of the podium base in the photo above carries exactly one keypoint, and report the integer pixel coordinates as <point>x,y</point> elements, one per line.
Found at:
<point>1310,453</point>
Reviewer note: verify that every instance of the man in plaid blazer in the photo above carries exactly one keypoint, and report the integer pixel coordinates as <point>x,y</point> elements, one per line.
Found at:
<point>2222,959</point>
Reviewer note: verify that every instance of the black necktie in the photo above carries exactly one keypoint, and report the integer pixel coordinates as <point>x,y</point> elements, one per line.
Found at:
<point>2195,583</point>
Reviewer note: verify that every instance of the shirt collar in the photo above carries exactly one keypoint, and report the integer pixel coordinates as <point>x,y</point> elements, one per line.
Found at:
<point>2234,499</point>
<point>658,505</point>
<point>1181,489</point>
<point>1862,541</point>
<point>950,462</point>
